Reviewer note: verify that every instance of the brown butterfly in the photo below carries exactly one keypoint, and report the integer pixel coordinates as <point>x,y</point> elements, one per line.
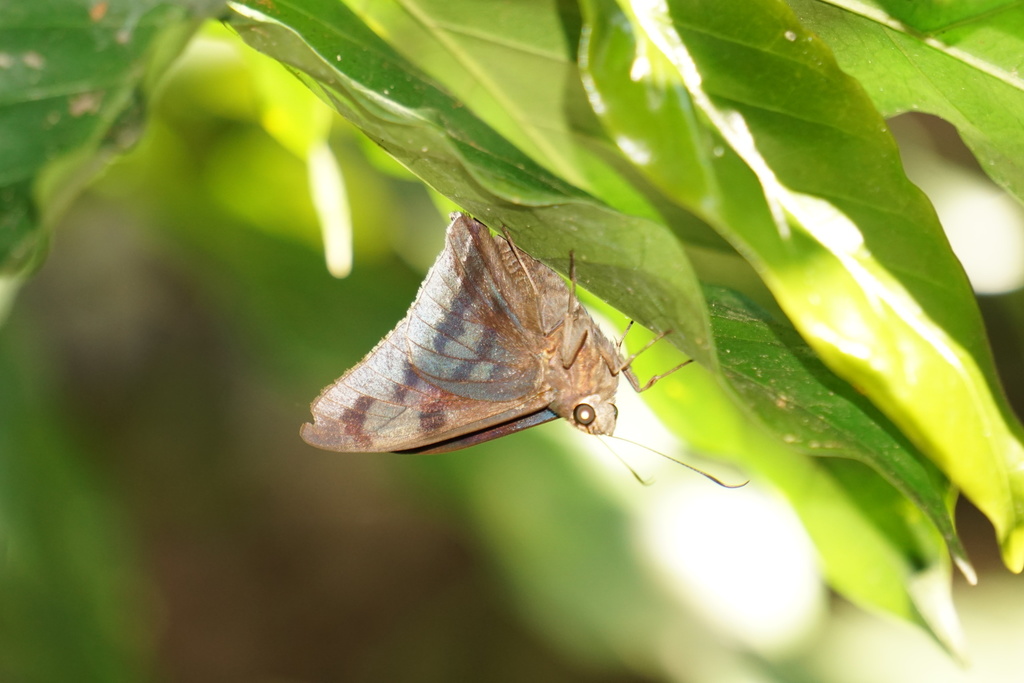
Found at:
<point>494,343</point>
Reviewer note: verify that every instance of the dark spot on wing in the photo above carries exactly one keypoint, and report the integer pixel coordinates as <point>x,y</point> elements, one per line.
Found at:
<point>354,418</point>
<point>461,372</point>
<point>451,327</point>
<point>354,421</point>
<point>432,421</point>
<point>402,389</point>
<point>489,341</point>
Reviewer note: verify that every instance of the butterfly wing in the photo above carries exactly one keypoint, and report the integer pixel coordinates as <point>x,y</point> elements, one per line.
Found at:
<point>469,357</point>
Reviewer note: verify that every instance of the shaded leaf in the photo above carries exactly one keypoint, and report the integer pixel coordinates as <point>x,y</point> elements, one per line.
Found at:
<point>636,261</point>
<point>72,94</point>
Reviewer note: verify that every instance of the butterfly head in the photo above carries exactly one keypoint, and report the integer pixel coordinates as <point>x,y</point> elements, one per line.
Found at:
<point>594,414</point>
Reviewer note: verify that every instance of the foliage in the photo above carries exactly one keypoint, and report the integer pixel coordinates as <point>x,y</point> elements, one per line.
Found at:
<point>654,140</point>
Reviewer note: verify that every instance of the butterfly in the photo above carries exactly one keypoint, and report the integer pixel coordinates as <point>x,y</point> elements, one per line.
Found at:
<point>495,342</point>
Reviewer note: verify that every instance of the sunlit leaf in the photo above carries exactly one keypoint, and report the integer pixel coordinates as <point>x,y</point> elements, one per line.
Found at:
<point>957,60</point>
<point>804,180</point>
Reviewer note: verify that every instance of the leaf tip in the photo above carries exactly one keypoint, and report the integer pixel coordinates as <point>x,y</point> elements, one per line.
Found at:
<point>1013,550</point>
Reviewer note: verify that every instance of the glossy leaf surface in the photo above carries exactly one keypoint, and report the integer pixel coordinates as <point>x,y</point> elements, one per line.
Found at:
<point>806,183</point>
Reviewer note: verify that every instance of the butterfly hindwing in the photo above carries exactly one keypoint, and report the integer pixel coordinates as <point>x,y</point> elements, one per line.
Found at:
<point>496,432</point>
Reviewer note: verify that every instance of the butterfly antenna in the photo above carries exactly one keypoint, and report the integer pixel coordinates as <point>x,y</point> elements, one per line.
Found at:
<point>699,471</point>
<point>632,470</point>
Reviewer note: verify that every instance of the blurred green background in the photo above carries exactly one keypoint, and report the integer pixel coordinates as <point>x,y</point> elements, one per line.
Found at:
<point>169,524</point>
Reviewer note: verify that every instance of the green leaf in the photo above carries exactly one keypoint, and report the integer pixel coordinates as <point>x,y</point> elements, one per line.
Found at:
<point>803,179</point>
<point>634,263</point>
<point>489,57</point>
<point>496,77</point>
<point>958,60</point>
<point>444,143</point>
<point>74,83</point>
<point>781,381</point>
<point>878,538</point>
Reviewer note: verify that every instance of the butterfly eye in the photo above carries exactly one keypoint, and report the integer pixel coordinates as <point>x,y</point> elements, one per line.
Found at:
<point>583,414</point>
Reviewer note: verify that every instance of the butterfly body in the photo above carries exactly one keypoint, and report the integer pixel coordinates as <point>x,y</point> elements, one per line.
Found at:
<point>494,343</point>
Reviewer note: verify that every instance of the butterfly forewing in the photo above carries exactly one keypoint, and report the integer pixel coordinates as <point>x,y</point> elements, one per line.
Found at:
<point>469,356</point>
<point>464,335</point>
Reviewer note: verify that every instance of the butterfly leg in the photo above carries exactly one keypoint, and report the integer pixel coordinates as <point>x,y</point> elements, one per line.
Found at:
<point>626,369</point>
<point>634,381</point>
<point>572,281</point>
<point>575,335</point>
<point>618,343</point>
